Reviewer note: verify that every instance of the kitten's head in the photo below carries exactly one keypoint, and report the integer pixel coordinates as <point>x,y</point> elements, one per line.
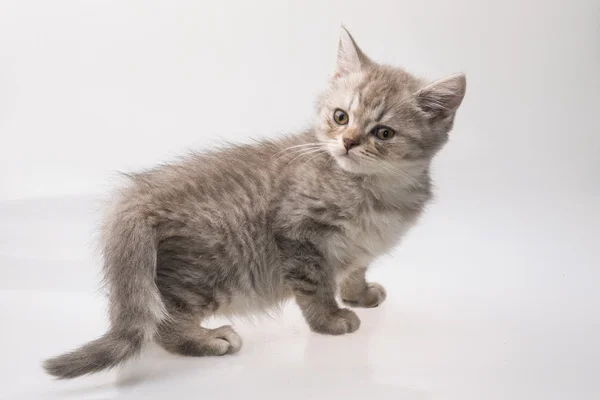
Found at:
<point>376,119</point>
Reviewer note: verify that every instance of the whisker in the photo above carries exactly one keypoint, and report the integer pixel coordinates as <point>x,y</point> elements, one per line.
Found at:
<point>368,154</point>
<point>329,161</point>
<point>315,144</point>
<point>399,173</point>
<point>311,151</point>
<point>316,155</point>
<point>291,151</point>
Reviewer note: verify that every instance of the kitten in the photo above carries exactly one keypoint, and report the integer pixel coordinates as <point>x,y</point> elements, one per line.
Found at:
<point>243,229</point>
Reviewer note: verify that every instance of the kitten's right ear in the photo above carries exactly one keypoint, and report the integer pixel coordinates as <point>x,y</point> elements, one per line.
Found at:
<point>350,57</point>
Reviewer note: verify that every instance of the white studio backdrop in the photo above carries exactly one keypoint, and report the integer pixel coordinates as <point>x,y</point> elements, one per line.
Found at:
<point>88,88</point>
<point>494,295</point>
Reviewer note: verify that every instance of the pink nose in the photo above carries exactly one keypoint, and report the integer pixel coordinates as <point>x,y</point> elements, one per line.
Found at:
<point>349,143</point>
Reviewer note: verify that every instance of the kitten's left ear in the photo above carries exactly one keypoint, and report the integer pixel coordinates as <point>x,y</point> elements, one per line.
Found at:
<point>442,98</point>
<point>350,57</point>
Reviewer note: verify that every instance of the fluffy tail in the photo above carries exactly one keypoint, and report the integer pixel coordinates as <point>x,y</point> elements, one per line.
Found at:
<point>135,304</point>
<point>106,352</point>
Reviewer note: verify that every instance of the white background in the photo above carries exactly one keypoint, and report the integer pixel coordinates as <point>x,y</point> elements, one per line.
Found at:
<point>494,295</point>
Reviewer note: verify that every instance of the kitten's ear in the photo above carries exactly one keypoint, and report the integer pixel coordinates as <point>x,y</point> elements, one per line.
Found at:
<point>442,98</point>
<point>350,57</point>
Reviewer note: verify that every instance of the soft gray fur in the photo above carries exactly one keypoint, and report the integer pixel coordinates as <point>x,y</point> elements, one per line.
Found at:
<point>240,230</point>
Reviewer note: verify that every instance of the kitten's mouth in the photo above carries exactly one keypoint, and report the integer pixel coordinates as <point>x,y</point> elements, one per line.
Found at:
<point>346,160</point>
<point>343,153</point>
<point>349,156</point>
<point>349,162</point>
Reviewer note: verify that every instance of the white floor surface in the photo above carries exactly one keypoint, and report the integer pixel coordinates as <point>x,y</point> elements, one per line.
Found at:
<point>493,299</point>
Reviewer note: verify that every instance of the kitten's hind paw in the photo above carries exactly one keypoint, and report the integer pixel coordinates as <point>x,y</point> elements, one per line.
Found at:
<point>192,340</point>
<point>233,341</point>
<point>371,297</point>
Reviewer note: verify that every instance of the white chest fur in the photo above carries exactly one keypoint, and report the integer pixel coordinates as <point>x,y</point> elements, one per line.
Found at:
<point>372,234</point>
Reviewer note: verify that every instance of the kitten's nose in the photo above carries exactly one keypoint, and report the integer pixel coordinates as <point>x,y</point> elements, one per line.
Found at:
<point>349,143</point>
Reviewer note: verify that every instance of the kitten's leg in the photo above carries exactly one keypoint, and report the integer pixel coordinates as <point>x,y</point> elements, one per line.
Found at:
<point>183,335</point>
<point>356,292</point>
<point>315,288</point>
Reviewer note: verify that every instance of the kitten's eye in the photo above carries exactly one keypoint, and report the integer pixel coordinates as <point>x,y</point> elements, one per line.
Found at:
<point>340,117</point>
<point>383,132</point>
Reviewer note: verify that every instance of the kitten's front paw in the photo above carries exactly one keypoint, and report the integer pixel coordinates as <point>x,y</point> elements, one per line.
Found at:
<point>371,297</point>
<point>342,321</point>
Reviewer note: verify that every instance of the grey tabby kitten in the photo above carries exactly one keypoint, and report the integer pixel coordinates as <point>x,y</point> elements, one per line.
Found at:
<point>243,229</point>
